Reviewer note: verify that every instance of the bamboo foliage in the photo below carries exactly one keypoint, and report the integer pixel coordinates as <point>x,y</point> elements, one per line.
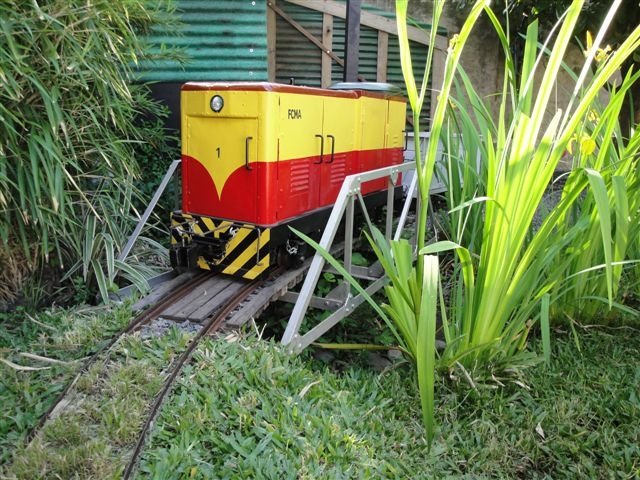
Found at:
<point>68,128</point>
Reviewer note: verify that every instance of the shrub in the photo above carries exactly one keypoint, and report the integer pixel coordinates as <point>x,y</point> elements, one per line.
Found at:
<point>68,128</point>
<point>506,271</point>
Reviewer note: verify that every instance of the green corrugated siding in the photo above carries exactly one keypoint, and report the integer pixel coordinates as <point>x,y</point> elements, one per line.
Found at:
<point>368,54</point>
<point>227,40</point>
<point>222,40</point>
<point>296,56</point>
<point>299,59</point>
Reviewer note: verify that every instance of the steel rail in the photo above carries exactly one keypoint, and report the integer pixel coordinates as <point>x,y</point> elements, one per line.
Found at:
<point>140,320</point>
<point>211,325</point>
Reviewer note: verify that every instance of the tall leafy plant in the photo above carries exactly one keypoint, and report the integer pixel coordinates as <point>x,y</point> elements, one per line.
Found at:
<point>505,280</point>
<point>68,126</point>
<point>505,270</point>
<point>518,267</point>
<point>413,288</point>
<point>584,291</point>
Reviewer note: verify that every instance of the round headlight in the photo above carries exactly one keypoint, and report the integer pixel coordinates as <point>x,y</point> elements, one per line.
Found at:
<point>217,103</point>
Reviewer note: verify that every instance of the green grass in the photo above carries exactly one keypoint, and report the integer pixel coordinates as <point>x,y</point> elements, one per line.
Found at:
<point>65,335</point>
<point>94,434</point>
<point>247,410</point>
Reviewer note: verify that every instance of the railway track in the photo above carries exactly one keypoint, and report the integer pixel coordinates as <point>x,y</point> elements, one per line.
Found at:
<point>209,302</point>
<point>215,301</point>
<point>214,322</point>
<point>136,324</point>
<point>179,301</point>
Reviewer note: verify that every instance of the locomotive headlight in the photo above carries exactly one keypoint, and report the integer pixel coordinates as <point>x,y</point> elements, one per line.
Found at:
<point>217,103</point>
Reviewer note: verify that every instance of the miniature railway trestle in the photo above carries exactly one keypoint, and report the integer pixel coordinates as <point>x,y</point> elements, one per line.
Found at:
<point>232,302</point>
<point>340,301</point>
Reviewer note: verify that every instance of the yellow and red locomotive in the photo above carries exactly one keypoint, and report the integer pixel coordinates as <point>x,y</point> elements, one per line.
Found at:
<point>259,157</point>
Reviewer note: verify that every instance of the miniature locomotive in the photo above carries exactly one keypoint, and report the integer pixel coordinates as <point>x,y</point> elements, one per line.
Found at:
<point>260,157</point>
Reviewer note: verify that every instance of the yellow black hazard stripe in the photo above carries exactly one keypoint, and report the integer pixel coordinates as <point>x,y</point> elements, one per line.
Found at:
<point>195,224</point>
<point>246,253</point>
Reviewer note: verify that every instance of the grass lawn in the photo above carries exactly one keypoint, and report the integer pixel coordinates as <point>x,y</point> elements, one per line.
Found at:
<point>245,409</point>
<point>276,416</point>
<point>62,338</point>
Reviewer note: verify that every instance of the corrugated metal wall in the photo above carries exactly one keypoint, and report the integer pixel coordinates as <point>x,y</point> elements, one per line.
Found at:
<point>296,56</point>
<point>222,40</point>
<point>418,61</point>
<point>368,58</point>
<point>226,40</point>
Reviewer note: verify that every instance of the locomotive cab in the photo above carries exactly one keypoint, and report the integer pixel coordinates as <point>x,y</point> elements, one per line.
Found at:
<point>260,157</point>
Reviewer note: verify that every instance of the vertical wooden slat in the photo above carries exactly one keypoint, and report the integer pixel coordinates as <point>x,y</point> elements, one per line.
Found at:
<point>327,41</point>
<point>437,77</point>
<point>271,43</point>
<point>383,47</point>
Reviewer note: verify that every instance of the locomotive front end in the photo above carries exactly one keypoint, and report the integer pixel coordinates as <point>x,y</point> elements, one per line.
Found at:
<point>226,153</point>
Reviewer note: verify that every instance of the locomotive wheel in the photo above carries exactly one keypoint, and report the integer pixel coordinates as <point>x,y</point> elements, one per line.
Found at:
<point>293,253</point>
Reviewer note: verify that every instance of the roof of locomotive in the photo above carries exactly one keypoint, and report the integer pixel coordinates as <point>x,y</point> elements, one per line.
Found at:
<point>345,90</point>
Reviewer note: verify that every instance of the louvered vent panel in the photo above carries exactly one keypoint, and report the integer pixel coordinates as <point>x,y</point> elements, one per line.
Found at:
<point>299,176</point>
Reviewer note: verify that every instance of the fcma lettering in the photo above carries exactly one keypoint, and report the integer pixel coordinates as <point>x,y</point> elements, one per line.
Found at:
<point>294,114</point>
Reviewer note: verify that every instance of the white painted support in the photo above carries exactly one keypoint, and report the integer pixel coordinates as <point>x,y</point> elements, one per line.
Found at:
<point>147,213</point>
<point>344,203</point>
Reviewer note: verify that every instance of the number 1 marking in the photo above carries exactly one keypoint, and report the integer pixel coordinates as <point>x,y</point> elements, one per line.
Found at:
<point>218,150</point>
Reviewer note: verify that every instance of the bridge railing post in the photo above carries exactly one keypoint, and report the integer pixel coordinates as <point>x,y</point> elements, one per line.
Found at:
<point>345,207</point>
<point>147,213</point>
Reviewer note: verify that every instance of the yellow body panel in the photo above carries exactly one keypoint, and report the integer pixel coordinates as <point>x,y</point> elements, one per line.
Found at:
<point>340,120</point>
<point>226,145</point>
<point>396,124</point>
<point>237,103</point>
<point>299,120</point>
<point>373,123</point>
<point>283,126</point>
<point>255,107</point>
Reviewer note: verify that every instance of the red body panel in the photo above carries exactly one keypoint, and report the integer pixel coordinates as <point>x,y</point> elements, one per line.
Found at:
<point>273,192</point>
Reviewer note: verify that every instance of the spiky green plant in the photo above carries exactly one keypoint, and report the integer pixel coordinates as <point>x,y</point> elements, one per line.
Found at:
<point>591,282</point>
<point>504,270</point>
<point>413,287</point>
<point>494,305</point>
<point>68,127</point>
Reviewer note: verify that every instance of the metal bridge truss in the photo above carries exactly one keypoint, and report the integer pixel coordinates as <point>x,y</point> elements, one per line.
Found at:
<point>340,301</point>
